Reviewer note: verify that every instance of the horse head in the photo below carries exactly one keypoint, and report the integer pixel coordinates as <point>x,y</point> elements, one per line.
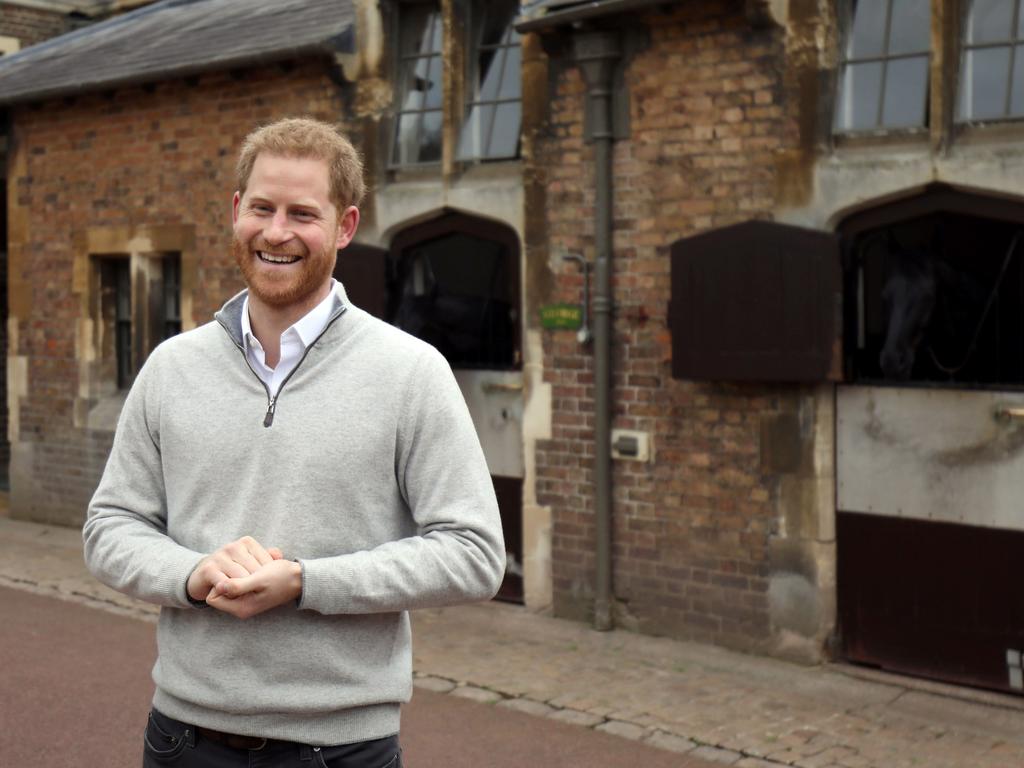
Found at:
<point>909,296</point>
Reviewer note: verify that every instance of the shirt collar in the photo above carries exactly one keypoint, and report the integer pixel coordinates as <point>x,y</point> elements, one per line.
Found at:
<point>307,327</point>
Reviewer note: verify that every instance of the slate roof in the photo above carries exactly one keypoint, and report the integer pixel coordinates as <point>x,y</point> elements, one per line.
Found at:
<point>174,38</point>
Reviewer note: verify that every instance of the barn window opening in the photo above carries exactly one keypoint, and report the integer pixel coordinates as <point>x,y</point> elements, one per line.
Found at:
<point>992,64</point>
<point>454,284</point>
<point>883,80</point>
<point>939,300</point>
<point>130,321</point>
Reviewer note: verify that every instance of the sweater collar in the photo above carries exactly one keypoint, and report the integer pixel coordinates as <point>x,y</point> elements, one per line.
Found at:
<point>230,315</point>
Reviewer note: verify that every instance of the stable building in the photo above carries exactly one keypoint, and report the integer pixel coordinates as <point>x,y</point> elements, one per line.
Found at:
<point>732,288</point>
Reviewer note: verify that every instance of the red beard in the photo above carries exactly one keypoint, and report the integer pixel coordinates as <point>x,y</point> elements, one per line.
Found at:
<point>284,287</point>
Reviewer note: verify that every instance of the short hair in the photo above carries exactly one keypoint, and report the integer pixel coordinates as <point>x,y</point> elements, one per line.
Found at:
<point>303,137</point>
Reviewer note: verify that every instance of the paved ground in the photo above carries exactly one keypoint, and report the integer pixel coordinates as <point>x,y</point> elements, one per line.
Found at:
<point>699,701</point>
<point>77,689</point>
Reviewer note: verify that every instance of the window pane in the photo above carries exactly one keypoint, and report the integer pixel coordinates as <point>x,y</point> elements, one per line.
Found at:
<point>497,19</point>
<point>910,30</point>
<point>857,100</point>
<point>406,139</point>
<point>906,88</point>
<point>1017,94</point>
<point>983,83</point>
<point>416,32</point>
<point>490,72</point>
<point>430,144</point>
<point>433,83</point>
<point>989,20</point>
<point>471,140</point>
<point>867,33</point>
<point>505,136</point>
<point>510,83</point>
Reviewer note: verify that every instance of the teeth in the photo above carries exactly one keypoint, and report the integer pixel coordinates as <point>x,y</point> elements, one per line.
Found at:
<point>273,259</point>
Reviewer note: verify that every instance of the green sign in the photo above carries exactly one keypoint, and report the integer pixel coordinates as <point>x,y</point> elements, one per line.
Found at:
<point>567,317</point>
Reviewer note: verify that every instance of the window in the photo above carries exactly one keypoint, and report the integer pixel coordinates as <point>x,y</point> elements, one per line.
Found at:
<point>418,122</point>
<point>494,113</point>
<point>883,72</point>
<point>129,326</point>
<point>992,67</point>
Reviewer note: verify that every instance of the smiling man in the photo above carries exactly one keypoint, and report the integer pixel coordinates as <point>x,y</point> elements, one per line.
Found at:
<point>286,482</point>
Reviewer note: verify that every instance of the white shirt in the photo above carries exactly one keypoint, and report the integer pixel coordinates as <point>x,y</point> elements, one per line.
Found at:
<point>294,341</point>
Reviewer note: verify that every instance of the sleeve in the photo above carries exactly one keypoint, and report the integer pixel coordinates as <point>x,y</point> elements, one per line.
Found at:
<point>125,534</point>
<point>459,553</point>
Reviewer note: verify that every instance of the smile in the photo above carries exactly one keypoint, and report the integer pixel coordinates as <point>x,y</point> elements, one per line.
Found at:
<point>273,258</point>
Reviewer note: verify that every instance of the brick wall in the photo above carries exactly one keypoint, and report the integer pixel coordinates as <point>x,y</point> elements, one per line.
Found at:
<point>691,530</point>
<point>31,25</point>
<point>157,156</point>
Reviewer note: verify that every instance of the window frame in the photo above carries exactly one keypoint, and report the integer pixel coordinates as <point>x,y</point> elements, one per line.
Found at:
<point>961,51</point>
<point>844,26</point>
<point>400,92</point>
<point>472,99</point>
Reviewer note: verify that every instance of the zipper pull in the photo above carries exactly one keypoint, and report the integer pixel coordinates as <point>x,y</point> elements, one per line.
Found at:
<point>269,418</point>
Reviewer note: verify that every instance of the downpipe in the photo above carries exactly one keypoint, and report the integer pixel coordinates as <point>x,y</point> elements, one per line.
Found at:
<point>597,52</point>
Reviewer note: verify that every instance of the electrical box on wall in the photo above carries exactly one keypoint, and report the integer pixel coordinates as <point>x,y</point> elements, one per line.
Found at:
<point>630,445</point>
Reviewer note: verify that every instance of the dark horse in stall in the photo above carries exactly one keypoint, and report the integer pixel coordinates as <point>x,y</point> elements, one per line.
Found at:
<point>932,305</point>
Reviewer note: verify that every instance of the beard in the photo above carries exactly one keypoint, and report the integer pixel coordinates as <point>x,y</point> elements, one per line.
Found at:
<point>285,287</point>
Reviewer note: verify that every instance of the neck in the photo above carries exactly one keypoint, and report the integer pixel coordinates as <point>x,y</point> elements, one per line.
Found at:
<point>269,322</point>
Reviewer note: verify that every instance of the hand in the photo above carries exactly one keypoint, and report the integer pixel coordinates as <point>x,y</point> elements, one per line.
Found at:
<point>234,560</point>
<point>273,584</point>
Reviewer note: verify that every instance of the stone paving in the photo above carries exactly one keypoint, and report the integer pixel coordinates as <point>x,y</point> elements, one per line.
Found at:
<point>706,702</point>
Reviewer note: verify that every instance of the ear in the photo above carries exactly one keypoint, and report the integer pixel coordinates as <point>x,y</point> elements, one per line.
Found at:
<point>235,202</point>
<point>348,223</point>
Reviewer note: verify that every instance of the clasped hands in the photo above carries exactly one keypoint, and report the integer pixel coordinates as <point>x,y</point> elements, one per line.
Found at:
<point>245,579</point>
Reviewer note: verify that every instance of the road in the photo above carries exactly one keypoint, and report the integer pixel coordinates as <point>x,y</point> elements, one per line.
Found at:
<point>75,690</point>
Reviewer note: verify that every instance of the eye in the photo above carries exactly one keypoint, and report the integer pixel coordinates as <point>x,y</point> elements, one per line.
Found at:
<point>304,215</point>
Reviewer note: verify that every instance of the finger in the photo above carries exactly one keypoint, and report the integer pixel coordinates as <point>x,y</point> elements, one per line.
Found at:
<point>275,553</point>
<point>226,567</point>
<point>255,550</point>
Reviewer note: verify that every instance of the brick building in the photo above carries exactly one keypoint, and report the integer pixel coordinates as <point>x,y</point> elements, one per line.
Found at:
<point>746,178</point>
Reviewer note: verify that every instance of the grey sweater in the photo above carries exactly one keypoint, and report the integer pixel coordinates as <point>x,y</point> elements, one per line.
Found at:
<point>370,474</point>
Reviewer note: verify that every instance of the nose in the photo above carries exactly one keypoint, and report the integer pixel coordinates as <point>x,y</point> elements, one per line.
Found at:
<point>276,230</point>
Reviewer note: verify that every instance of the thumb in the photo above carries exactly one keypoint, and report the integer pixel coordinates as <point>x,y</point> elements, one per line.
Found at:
<point>235,587</point>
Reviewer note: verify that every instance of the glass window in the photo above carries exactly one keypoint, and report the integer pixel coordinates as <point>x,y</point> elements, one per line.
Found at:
<point>418,122</point>
<point>992,70</point>
<point>883,72</point>
<point>494,111</point>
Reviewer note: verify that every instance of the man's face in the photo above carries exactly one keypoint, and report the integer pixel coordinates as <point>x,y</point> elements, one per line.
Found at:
<point>287,231</point>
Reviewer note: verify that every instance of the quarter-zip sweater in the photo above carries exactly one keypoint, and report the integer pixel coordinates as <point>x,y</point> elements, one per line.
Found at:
<point>370,474</point>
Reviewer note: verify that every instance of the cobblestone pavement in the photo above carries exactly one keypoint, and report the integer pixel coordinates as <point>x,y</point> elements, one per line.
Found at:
<point>740,710</point>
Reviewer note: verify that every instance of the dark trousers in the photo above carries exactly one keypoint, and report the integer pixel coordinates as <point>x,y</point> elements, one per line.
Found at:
<point>171,743</point>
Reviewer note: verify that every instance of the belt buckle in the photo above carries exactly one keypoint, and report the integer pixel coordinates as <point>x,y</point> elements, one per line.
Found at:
<point>263,743</point>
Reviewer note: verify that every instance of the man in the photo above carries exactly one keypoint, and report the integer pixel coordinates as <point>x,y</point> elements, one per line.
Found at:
<point>286,482</point>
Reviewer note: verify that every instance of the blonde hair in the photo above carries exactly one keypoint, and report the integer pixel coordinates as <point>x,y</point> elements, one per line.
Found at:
<point>304,137</point>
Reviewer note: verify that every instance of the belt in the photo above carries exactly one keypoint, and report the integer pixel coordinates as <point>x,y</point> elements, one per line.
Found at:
<point>232,740</point>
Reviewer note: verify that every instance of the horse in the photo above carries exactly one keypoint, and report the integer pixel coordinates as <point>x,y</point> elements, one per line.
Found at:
<point>932,304</point>
<point>909,296</point>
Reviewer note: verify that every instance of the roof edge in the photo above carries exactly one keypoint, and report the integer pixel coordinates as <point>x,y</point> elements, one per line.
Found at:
<point>322,49</point>
<point>549,22</point>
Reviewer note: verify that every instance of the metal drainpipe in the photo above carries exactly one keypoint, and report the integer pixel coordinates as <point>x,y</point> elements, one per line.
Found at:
<point>597,52</point>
